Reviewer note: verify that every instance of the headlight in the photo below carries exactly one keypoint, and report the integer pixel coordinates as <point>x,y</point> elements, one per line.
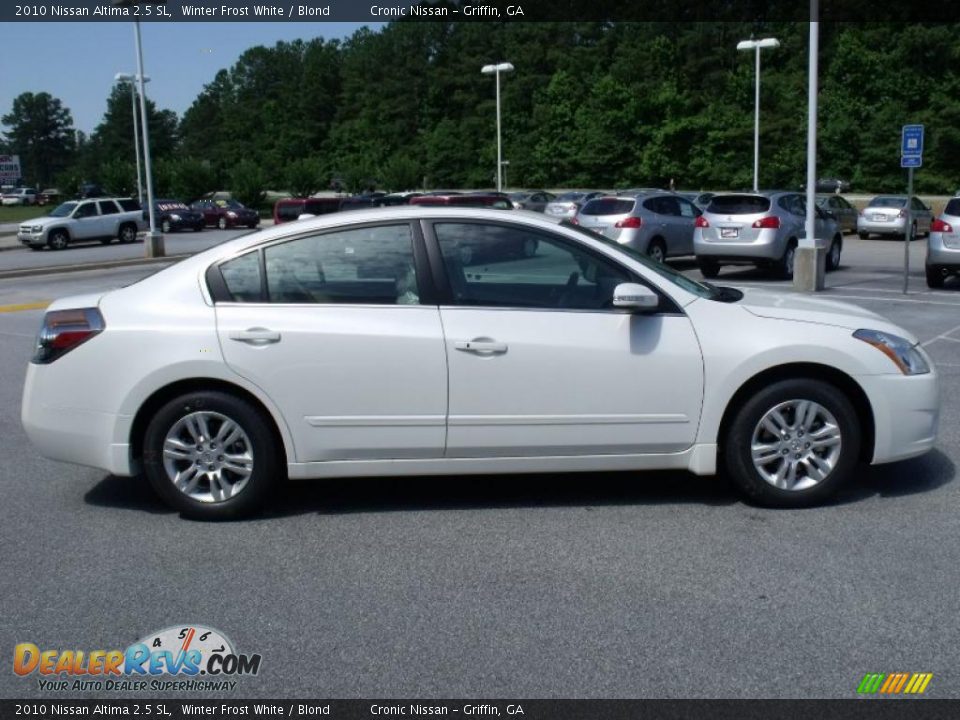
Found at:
<point>174,217</point>
<point>37,229</point>
<point>904,355</point>
<point>231,214</point>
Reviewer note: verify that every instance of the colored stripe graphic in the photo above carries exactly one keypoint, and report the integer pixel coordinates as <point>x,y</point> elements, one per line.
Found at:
<point>894,683</point>
<point>871,682</point>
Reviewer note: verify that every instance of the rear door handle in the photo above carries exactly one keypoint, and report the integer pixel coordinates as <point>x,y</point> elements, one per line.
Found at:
<point>481,347</point>
<point>255,336</point>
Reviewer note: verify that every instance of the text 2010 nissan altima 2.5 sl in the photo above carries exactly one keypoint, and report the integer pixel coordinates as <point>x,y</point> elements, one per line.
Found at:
<point>364,345</point>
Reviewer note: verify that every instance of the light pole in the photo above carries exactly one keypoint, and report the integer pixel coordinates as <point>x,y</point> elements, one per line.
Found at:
<point>496,70</point>
<point>756,46</point>
<point>132,79</point>
<point>153,244</point>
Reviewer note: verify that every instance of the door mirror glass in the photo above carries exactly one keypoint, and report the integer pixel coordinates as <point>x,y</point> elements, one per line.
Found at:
<point>635,296</point>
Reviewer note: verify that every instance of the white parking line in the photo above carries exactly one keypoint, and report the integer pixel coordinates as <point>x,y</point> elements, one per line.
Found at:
<point>943,336</point>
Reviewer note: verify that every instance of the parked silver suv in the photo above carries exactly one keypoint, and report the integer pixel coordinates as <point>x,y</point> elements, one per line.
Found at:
<point>657,223</point>
<point>943,245</point>
<point>761,229</point>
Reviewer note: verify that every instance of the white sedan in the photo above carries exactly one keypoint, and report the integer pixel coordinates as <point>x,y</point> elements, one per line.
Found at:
<point>426,340</point>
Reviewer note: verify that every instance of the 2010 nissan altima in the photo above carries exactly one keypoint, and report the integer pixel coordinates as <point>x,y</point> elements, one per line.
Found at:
<point>368,344</point>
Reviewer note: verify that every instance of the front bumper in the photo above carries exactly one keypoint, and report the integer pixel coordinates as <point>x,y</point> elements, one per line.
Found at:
<point>31,238</point>
<point>906,413</point>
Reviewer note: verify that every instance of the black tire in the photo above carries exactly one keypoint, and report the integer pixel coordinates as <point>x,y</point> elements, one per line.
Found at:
<point>266,470</point>
<point>252,226</point>
<point>833,254</point>
<point>863,235</point>
<point>165,226</point>
<point>708,268</point>
<point>58,240</point>
<point>935,277</point>
<point>740,438</point>
<point>222,223</point>
<point>198,228</point>
<point>127,233</point>
<point>656,250</point>
<point>785,264</point>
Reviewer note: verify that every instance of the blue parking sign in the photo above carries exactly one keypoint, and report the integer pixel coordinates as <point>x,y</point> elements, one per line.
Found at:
<point>912,141</point>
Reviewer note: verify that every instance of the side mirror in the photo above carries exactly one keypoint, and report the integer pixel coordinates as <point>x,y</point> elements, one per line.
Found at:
<point>635,297</point>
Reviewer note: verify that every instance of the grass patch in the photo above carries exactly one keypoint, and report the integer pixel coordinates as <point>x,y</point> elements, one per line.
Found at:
<point>19,213</point>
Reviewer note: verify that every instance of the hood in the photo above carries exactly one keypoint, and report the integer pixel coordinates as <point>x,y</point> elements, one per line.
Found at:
<point>801,308</point>
<point>42,220</point>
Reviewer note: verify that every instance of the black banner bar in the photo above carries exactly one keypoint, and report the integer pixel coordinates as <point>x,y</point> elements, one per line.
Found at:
<point>862,11</point>
<point>858,709</point>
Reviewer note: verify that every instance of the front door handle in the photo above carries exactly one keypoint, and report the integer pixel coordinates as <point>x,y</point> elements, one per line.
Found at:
<point>481,347</point>
<point>255,336</point>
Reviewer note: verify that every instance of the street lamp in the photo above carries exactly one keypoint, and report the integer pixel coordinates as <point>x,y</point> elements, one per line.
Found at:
<point>496,70</point>
<point>132,79</point>
<point>756,46</point>
<point>153,245</point>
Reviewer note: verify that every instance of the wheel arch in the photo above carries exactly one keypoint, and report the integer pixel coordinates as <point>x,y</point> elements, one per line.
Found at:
<point>812,371</point>
<point>163,395</point>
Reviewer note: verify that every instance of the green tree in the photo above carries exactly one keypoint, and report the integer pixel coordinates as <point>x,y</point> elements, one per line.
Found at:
<point>41,133</point>
<point>247,183</point>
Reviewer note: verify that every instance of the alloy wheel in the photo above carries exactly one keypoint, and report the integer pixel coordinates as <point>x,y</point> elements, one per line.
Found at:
<point>796,445</point>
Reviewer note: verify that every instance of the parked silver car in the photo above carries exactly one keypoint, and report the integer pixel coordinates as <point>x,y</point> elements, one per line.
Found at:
<point>943,245</point>
<point>887,215</point>
<point>658,223</point>
<point>843,212</point>
<point>535,200</point>
<point>567,204</point>
<point>761,229</point>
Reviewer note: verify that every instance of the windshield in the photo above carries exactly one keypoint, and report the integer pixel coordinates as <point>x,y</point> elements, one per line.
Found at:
<point>231,204</point>
<point>63,210</point>
<point>892,202</point>
<point>664,271</point>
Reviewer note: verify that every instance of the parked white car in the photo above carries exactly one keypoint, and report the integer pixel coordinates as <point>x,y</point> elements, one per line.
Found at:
<point>19,196</point>
<point>358,344</point>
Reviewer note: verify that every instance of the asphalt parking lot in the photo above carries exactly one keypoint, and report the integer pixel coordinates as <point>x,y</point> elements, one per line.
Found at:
<point>610,585</point>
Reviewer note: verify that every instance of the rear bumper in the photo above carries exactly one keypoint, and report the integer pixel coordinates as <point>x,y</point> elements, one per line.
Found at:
<point>941,255</point>
<point>906,413</point>
<point>888,227</point>
<point>766,247</point>
<point>75,435</point>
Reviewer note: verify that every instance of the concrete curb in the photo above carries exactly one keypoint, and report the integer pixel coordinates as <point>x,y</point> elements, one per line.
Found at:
<point>106,265</point>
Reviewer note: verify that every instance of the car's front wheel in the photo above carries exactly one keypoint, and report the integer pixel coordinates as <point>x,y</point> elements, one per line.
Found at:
<point>833,255</point>
<point>211,456</point>
<point>935,276</point>
<point>222,223</point>
<point>793,443</point>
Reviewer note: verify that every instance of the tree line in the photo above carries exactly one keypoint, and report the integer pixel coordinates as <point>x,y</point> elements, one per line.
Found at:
<point>588,104</point>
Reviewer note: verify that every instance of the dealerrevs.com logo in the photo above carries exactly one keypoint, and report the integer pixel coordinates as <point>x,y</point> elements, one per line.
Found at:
<point>178,658</point>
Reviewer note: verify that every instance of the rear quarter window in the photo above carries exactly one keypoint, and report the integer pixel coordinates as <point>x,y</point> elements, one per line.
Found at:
<point>738,204</point>
<point>953,207</point>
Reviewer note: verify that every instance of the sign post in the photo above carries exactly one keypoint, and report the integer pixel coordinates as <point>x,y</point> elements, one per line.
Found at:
<point>911,156</point>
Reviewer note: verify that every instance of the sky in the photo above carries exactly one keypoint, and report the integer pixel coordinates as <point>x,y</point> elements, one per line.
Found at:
<point>76,62</point>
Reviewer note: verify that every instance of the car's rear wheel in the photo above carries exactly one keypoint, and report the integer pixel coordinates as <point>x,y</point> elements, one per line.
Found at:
<point>708,268</point>
<point>58,240</point>
<point>656,250</point>
<point>793,443</point>
<point>127,233</point>
<point>833,256</point>
<point>785,264</point>
<point>935,276</point>
<point>211,456</point>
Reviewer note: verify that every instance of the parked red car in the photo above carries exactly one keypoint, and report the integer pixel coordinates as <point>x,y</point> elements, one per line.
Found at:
<point>291,208</point>
<point>226,213</point>
<point>496,200</point>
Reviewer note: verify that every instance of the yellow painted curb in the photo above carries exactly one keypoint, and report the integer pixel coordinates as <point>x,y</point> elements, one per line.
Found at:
<point>25,306</point>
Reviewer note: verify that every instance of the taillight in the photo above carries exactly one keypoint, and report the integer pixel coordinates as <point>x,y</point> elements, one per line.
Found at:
<point>902,214</point>
<point>701,222</point>
<point>770,222</point>
<point>939,225</point>
<point>631,222</point>
<point>63,330</point>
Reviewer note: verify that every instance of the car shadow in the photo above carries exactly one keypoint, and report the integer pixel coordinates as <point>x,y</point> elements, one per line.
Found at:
<point>900,479</point>
<point>402,494</point>
<point>473,492</point>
